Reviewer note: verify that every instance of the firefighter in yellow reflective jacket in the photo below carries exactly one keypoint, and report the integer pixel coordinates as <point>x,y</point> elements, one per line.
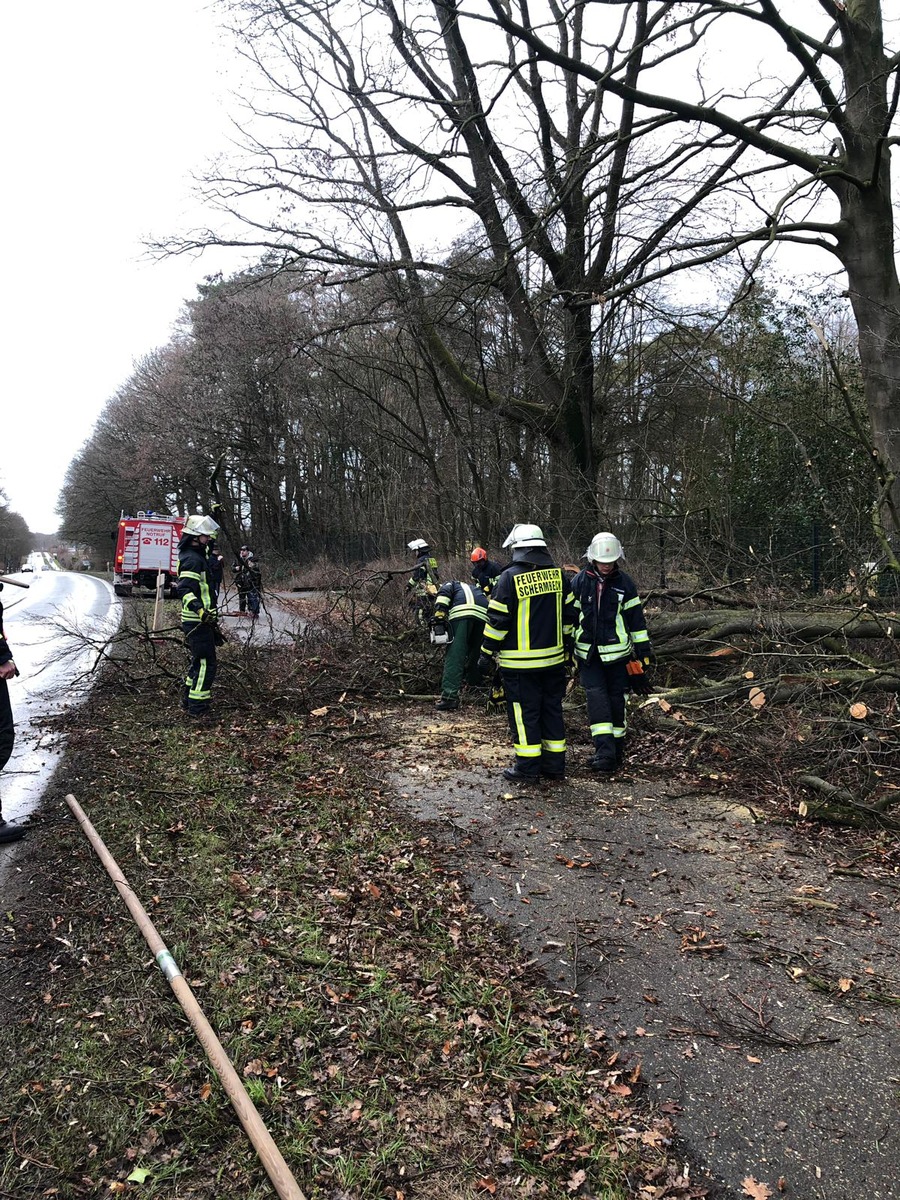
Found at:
<point>461,609</point>
<point>196,589</point>
<point>529,630</point>
<point>611,634</point>
<point>424,580</point>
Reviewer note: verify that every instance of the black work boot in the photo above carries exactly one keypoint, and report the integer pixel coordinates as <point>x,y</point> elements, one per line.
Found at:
<point>447,705</point>
<point>10,832</point>
<point>516,776</point>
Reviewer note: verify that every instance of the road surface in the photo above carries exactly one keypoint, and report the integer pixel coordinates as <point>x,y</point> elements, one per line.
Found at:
<point>44,626</point>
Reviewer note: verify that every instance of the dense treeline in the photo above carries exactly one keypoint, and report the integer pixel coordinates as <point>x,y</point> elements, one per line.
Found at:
<point>320,420</point>
<point>16,539</point>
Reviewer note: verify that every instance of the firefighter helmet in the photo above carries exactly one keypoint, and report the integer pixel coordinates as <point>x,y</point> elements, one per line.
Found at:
<point>198,524</point>
<point>605,548</point>
<point>479,554</point>
<point>524,535</point>
<point>418,544</point>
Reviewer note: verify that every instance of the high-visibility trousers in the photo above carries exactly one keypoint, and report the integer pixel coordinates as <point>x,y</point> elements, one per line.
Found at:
<point>605,685</point>
<point>534,701</point>
<point>201,672</point>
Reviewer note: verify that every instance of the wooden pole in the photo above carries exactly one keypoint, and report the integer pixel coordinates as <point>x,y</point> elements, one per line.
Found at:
<point>159,591</point>
<point>269,1155</point>
<point>14,582</point>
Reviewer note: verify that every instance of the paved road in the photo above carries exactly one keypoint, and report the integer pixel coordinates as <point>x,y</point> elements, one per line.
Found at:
<point>740,963</point>
<point>50,629</point>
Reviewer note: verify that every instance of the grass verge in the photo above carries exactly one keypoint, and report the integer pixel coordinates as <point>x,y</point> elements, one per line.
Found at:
<point>395,1043</point>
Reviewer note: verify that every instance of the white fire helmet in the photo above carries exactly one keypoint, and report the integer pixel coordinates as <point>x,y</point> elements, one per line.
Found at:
<point>199,523</point>
<point>605,548</point>
<point>418,544</point>
<point>524,535</point>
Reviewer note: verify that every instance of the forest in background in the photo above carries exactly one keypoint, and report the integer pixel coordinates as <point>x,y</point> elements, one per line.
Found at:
<point>475,236</point>
<point>727,446</point>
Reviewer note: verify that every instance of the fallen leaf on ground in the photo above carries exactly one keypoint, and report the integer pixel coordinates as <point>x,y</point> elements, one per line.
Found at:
<point>756,1191</point>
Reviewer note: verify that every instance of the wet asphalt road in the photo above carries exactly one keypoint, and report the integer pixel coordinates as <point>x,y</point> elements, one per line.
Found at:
<point>738,962</point>
<point>52,629</point>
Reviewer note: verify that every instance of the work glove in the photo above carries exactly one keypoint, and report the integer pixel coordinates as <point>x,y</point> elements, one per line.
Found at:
<point>645,652</point>
<point>208,616</point>
<point>637,678</point>
<point>485,663</point>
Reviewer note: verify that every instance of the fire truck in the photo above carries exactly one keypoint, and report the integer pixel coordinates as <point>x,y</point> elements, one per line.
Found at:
<point>145,546</point>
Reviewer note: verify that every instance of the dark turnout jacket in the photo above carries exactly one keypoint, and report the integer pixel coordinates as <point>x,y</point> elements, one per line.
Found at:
<point>196,585</point>
<point>611,620</point>
<point>531,613</point>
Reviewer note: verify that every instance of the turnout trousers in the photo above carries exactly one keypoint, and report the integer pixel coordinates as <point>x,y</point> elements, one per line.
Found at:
<point>7,728</point>
<point>201,673</point>
<point>534,700</point>
<point>605,686</point>
<point>461,662</point>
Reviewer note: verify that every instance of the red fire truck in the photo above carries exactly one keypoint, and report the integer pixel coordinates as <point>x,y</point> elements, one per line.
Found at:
<point>145,546</point>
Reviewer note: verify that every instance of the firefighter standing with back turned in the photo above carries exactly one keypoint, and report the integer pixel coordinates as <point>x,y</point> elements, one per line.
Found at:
<point>610,638</point>
<point>196,589</point>
<point>461,609</point>
<point>529,630</point>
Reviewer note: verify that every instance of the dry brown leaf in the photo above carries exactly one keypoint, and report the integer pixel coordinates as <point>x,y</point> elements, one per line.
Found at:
<point>845,984</point>
<point>859,711</point>
<point>755,1190</point>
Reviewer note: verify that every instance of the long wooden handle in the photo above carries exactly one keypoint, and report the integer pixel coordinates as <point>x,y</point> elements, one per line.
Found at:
<point>14,582</point>
<point>269,1155</point>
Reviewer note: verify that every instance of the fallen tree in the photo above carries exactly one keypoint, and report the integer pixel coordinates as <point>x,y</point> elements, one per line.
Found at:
<point>803,699</point>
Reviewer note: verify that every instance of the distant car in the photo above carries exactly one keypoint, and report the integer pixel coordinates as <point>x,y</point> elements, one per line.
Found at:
<point>27,567</point>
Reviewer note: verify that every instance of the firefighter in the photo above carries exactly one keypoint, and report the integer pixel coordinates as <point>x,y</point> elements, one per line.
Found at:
<point>529,630</point>
<point>460,609</point>
<point>199,615</point>
<point>485,571</point>
<point>424,580</point>
<point>248,579</point>
<point>611,634</point>
<point>9,832</point>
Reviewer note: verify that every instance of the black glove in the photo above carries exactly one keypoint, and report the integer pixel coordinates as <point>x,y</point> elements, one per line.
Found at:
<point>485,663</point>
<point>646,654</point>
<point>208,616</point>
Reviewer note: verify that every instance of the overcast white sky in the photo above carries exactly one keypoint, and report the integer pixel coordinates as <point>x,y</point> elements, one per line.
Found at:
<point>109,106</point>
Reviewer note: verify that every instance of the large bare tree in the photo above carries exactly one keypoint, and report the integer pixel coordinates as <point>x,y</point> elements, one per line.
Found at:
<point>587,151</point>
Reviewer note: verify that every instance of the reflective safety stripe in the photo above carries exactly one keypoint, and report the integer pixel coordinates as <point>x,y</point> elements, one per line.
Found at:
<point>496,606</point>
<point>633,603</point>
<point>199,691</point>
<point>523,660</point>
<point>523,748</point>
<point>493,635</point>
<point>555,747</point>
<point>640,635</point>
<point>602,728</point>
<point>618,731</point>
<point>469,607</point>
<point>526,751</point>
